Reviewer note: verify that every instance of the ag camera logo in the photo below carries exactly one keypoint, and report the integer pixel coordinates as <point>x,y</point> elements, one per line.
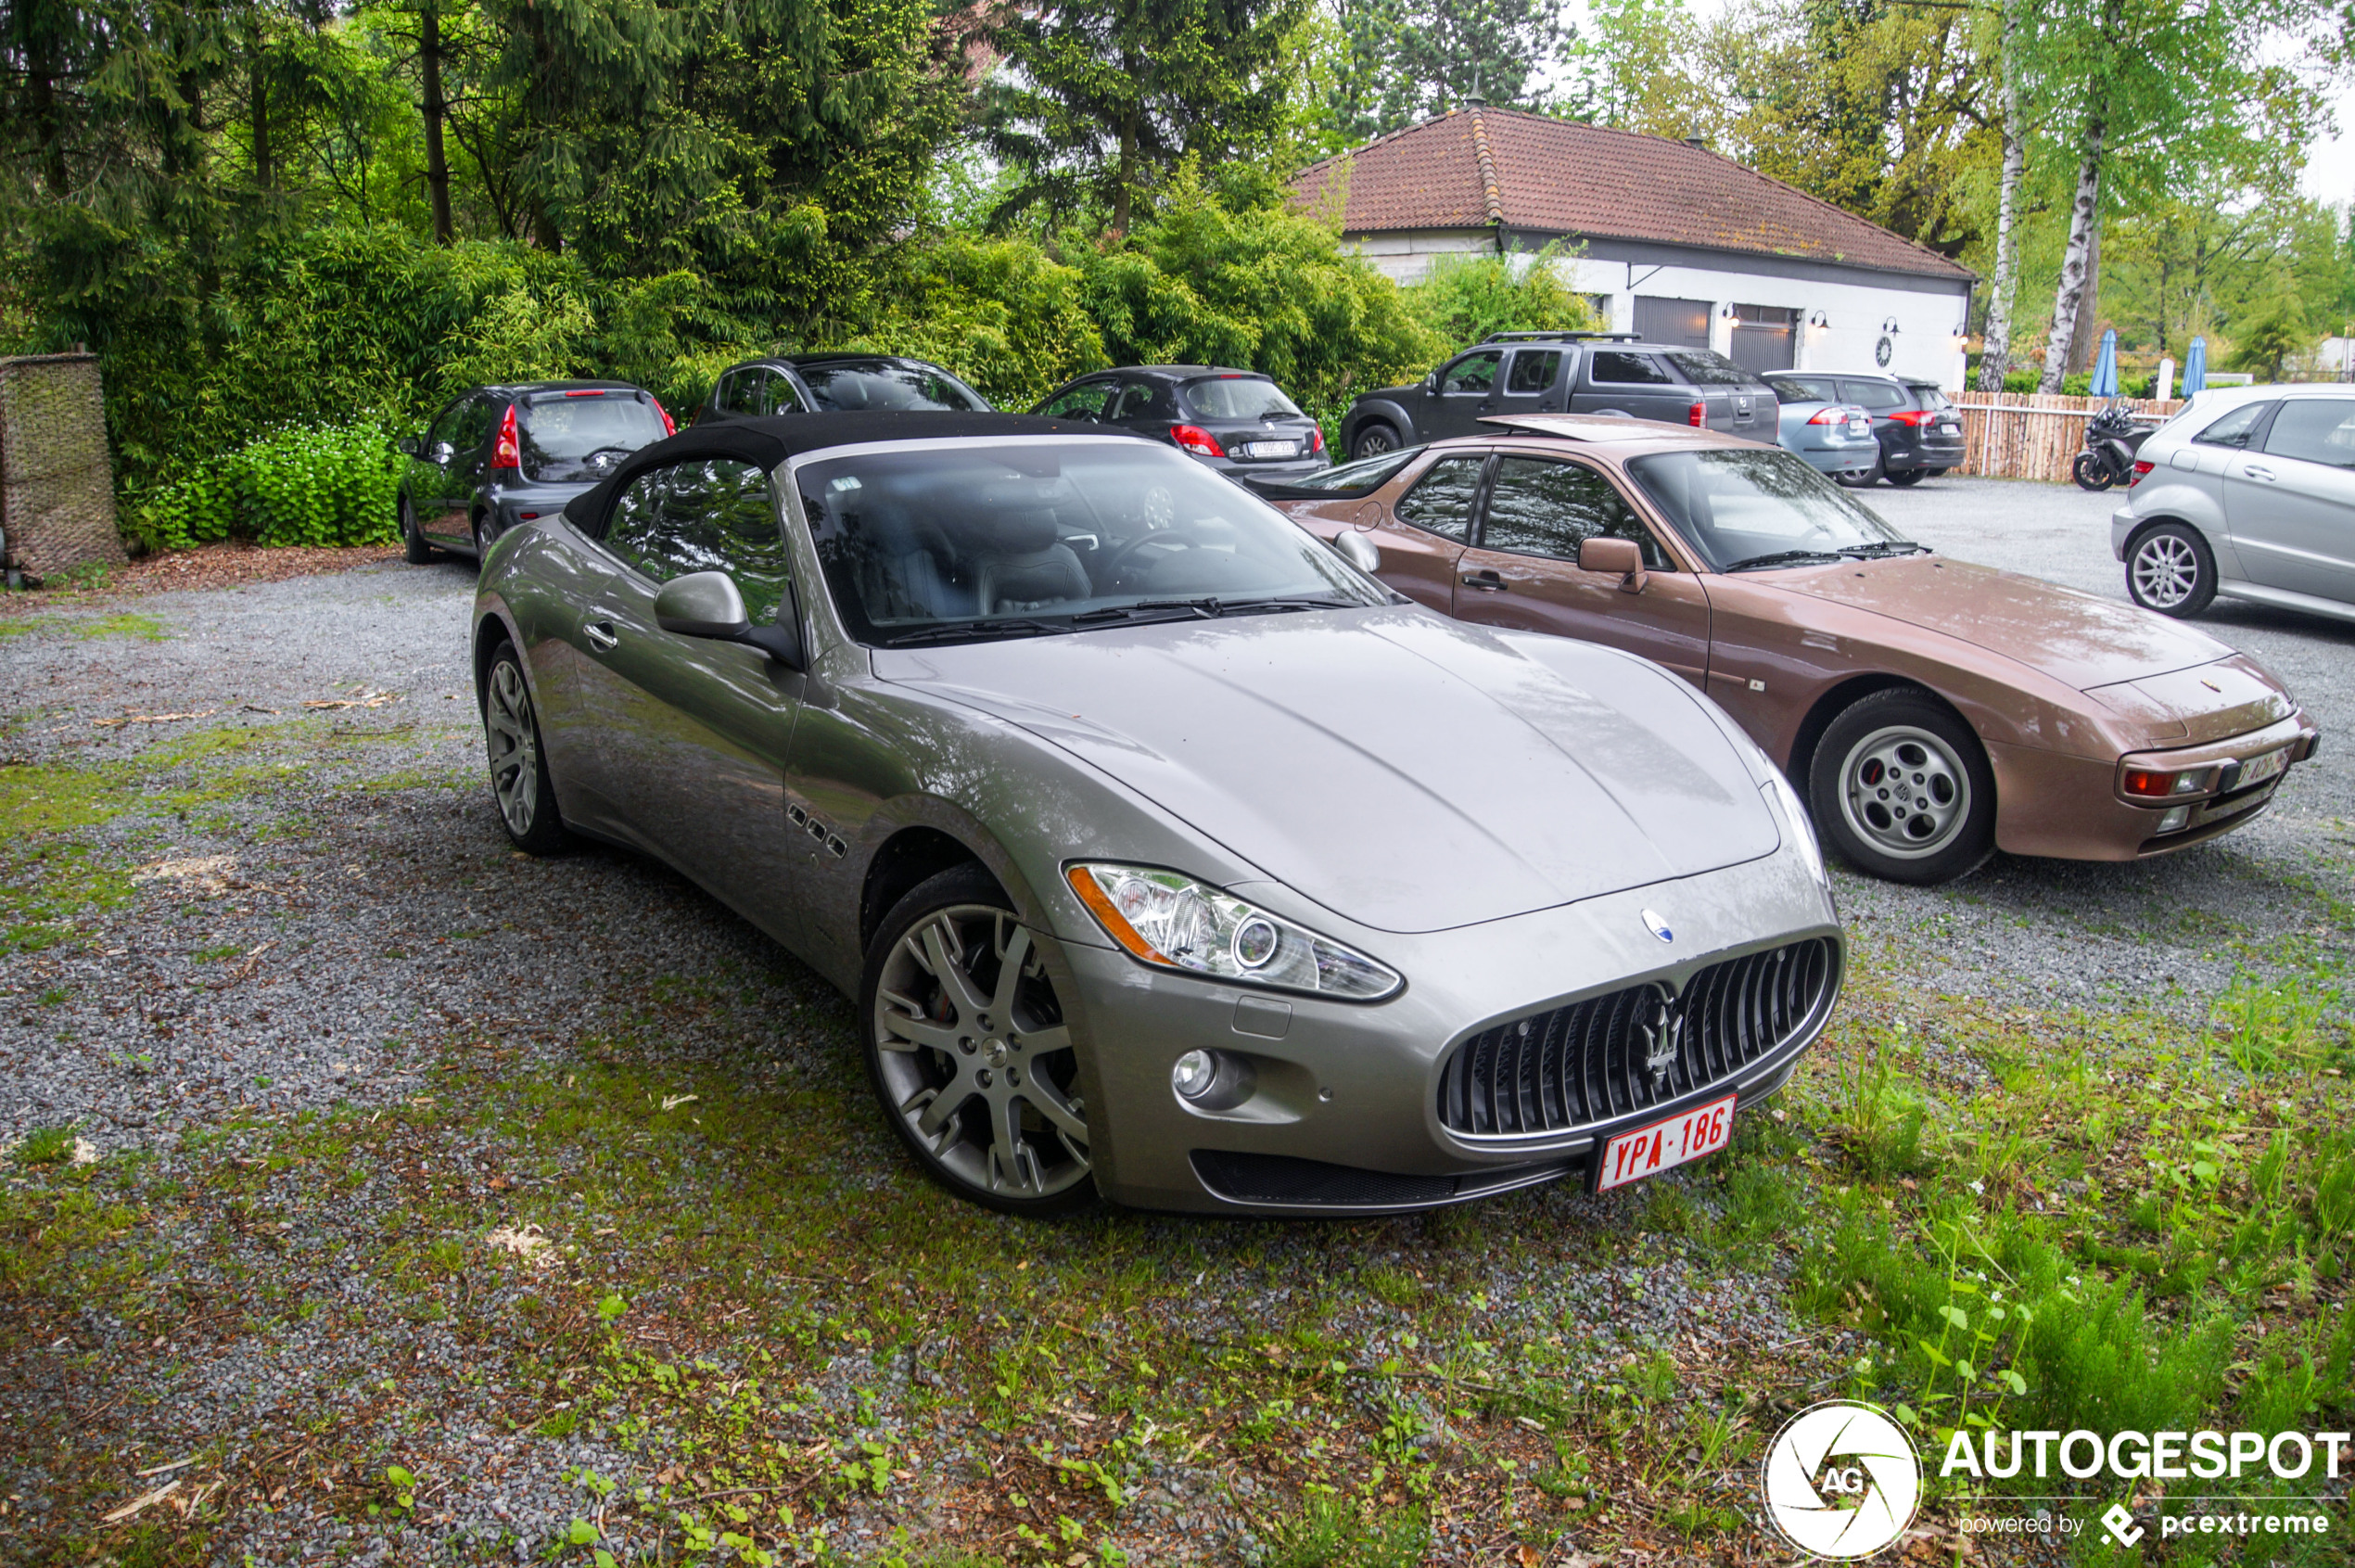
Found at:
<point>1841,1480</point>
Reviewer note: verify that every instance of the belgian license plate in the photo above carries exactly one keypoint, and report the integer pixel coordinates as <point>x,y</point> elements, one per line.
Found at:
<point>2257,770</point>
<point>1949,427</point>
<point>1272,449</point>
<point>1648,1150</point>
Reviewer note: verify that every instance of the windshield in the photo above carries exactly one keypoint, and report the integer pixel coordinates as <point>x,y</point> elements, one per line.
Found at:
<point>561,432</point>
<point>1703,368</point>
<point>1238,397</point>
<point>1024,537</point>
<point>862,384</point>
<point>1760,507</point>
<point>1365,474</point>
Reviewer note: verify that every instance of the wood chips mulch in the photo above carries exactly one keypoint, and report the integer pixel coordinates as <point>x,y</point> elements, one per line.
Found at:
<point>227,564</point>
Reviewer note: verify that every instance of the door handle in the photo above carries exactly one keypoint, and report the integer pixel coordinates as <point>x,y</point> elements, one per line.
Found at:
<point>600,635</point>
<point>2257,471</point>
<point>1487,582</point>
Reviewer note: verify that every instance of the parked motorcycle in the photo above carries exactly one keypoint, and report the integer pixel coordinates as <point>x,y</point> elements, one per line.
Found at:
<point>2113,436</point>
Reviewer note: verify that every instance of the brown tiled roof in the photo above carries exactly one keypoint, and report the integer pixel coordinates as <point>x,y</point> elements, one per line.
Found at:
<point>1473,167</point>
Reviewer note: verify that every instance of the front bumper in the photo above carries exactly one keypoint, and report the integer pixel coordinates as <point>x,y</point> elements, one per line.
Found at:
<point>1344,1114</point>
<point>2070,807</point>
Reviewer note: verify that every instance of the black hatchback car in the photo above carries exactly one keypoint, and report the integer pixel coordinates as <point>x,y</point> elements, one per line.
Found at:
<point>1239,422</point>
<point>837,384</point>
<point>495,456</point>
<point>1921,434</point>
<point>1563,373</point>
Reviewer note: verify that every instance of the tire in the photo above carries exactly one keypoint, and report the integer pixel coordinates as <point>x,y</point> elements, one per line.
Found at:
<point>1864,480</point>
<point>416,551</point>
<point>1906,476</point>
<point>993,1042</point>
<point>519,782</point>
<point>1902,789</point>
<point>482,543</point>
<point>2091,470</point>
<point>2170,570</point>
<point>1374,437</point>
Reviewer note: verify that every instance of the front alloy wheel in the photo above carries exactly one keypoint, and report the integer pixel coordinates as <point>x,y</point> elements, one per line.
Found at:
<point>969,1052</point>
<point>518,767</point>
<point>1902,789</point>
<point>1373,440</point>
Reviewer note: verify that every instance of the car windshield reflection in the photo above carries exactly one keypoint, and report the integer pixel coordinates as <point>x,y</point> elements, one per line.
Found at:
<point>975,543</point>
<point>1760,508</point>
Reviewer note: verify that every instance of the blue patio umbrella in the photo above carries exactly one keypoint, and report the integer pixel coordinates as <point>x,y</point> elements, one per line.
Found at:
<point>2105,367</point>
<point>2195,366</point>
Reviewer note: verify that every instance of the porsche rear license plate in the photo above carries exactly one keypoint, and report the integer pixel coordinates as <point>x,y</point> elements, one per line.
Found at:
<point>1648,1150</point>
<point>2257,770</point>
<point>1272,449</point>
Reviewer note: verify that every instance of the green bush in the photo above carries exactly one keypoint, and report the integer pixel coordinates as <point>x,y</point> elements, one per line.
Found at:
<point>1467,297</point>
<point>314,485</point>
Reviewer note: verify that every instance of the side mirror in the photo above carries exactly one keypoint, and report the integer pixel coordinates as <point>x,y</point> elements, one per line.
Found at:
<point>707,604</point>
<point>408,446</point>
<point>442,452</point>
<point>1431,382</point>
<point>1352,546</point>
<point>1623,556</point>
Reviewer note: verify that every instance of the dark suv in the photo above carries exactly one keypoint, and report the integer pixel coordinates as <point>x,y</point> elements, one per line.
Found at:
<point>1236,421</point>
<point>495,456</point>
<point>1563,373</point>
<point>835,384</point>
<point>1921,434</point>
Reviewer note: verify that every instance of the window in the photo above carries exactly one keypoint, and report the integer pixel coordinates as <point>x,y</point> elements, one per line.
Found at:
<point>1533,371</point>
<point>779,396</point>
<point>1086,401</point>
<point>1928,395</point>
<point>1879,396</point>
<point>2235,428</point>
<point>848,385</point>
<point>1135,401</point>
<point>1791,388</point>
<point>445,429</point>
<point>569,436</point>
<point>1620,368</point>
<point>629,527</point>
<point>1757,505</point>
<point>1441,501</point>
<point>474,421</point>
<point>1473,372</point>
<point>740,391</point>
<point>1366,473</point>
<point>709,517</point>
<point>1703,368</point>
<point>2315,430</point>
<point>1239,397</point>
<point>1540,507</point>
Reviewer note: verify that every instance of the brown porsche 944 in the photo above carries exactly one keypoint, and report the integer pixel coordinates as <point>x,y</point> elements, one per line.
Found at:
<point>1931,710</point>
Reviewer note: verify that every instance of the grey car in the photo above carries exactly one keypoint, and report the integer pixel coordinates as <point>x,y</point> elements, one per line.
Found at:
<point>2248,493</point>
<point>1834,438</point>
<point>1166,855</point>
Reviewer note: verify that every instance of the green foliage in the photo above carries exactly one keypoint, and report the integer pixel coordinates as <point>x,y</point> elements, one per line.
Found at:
<point>2273,332</point>
<point>309,484</point>
<point>46,1145</point>
<point>1331,1532</point>
<point>1466,297</point>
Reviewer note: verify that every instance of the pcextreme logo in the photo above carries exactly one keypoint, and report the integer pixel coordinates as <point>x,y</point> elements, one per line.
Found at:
<point>1841,1480</point>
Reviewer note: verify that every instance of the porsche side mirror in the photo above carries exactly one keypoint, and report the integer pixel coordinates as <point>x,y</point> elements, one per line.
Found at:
<point>707,604</point>
<point>1352,546</point>
<point>1623,556</point>
<point>407,446</point>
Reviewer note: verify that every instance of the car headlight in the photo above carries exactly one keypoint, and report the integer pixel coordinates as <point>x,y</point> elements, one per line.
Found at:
<point>1173,921</point>
<point>1795,818</point>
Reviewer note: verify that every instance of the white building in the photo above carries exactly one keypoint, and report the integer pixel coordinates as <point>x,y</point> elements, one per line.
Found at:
<point>1672,240</point>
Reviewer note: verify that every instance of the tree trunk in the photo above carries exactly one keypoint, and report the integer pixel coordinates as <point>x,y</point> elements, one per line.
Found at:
<point>2077,260</point>
<point>2089,307</point>
<point>1995,355</point>
<point>437,109</point>
<point>1127,170</point>
<point>257,86</point>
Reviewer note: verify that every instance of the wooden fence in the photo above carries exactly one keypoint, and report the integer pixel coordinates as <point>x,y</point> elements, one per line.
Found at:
<point>2034,435</point>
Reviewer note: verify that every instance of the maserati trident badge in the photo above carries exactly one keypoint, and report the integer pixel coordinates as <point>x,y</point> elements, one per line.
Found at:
<point>1658,927</point>
<point>1664,1043</point>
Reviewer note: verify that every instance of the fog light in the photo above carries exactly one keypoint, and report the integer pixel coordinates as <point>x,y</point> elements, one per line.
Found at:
<point>2174,821</point>
<point>1195,1073</point>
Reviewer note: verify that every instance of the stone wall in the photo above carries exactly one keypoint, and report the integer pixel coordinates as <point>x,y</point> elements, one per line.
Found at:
<point>56,479</point>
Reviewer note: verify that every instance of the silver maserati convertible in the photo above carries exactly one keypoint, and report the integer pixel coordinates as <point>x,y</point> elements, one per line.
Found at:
<point>1166,854</point>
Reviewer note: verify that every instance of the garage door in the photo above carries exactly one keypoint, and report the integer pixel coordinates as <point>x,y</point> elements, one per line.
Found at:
<point>1765,338</point>
<point>1671,321</point>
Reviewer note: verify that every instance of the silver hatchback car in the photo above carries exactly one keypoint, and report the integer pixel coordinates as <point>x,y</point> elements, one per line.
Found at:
<point>2249,492</point>
<point>1166,854</point>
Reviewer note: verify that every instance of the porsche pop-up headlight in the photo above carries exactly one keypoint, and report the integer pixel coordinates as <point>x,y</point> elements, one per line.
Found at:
<point>1175,923</point>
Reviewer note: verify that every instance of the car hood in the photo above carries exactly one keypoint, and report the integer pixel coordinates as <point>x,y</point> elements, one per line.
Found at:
<point>1405,771</point>
<point>2076,639</point>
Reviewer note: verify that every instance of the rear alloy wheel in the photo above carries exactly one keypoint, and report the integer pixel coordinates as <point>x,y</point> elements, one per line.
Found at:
<point>1375,439</point>
<point>1901,787</point>
<point>2171,571</point>
<point>969,1053</point>
<point>1861,480</point>
<point>414,549</point>
<point>518,762</point>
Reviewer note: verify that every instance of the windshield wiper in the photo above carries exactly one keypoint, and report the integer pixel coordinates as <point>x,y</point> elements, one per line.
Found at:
<point>1156,608</point>
<point>1783,558</point>
<point>948,631</point>
<point>1880,548</point>
<point>1292,602</point>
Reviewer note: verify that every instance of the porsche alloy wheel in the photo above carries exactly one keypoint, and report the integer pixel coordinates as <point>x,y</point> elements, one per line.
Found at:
<point>1901,787</point>
<point>2170,570</point>
<point>969,1052</point>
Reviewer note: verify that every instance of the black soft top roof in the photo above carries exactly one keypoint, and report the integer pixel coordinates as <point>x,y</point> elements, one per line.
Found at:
<point>767,442</point>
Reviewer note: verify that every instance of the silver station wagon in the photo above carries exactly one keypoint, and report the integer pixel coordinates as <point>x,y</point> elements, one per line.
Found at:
<point>1166,855</point>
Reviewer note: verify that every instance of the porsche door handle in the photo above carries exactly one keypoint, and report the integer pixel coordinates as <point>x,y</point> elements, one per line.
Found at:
<point>1487,582</point>
<point>600,635</point>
